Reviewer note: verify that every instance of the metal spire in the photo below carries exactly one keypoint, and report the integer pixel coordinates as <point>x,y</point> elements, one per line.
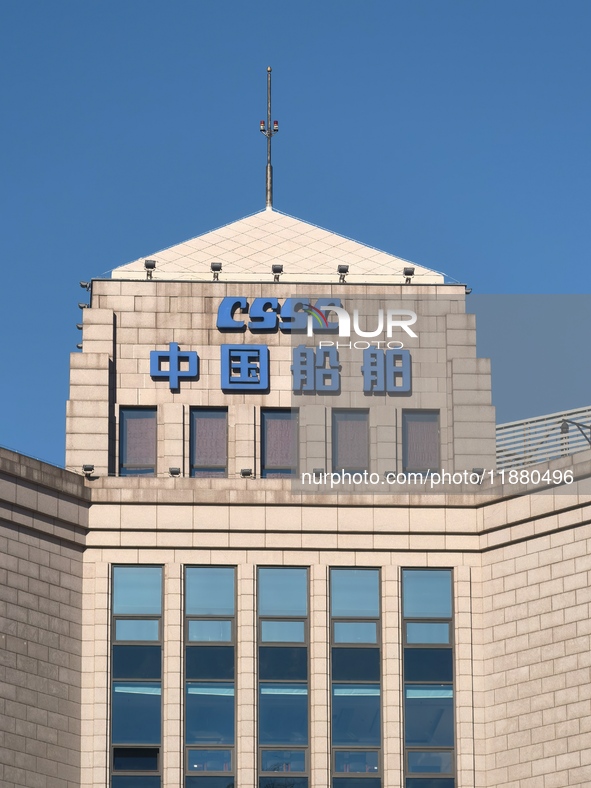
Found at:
<point>269,131</point>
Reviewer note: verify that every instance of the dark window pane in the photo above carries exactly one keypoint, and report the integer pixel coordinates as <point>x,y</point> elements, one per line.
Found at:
<point>426,593</point>
<point>429,716</point>
<point>209,440</point>
<point>136,629</point>
<point>283,591</point>
<point>283,663</point>
<point>283,714</point>
<point>283,631</point>
<point>356,664</point>
<point>350,440</point>
<point>137,662</point>
<point>203,781</point>
<point>135,759</point>
<point>430,762</point>
<point>423,632</point>
<point>210,713</point>
<point>209,760</point>
<point>356,782</point>
<point>137,441</point>
<point>355,714</point>
<point>210,591</point>
<point>428,664</point>
<point>283,782</point>
<point>283,761</point>
<point>430,782</point>
<point>355,593</point>
<point>279,449</point>
<point>210,631</point>
<point>137,590</point>
<point>356,761</point>
<point>355,632</point>
<point>136,712</point>
<point>139,781</point>
<point>420,441</point>
<point>210,662</point>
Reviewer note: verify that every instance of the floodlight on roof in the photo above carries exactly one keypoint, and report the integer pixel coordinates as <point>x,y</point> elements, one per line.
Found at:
<point>277,269</point>
<point>408,274</point>
<point>88,470</point>
<point>174,471</point>
<point>216,267</point>
<point>246,473</point>
<point>343,270</point>
<point>150,266</point>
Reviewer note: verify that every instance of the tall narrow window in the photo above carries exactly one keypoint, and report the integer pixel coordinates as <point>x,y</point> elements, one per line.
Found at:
<point>355,676</point>
<point>283,677</point>
<point>209,442</point>
<point>209,677</point>
<point>428,678</point>
<point>136,670</point>
<point>350,440</point>
<point>420,441</point>
<point>137,442</point>
<point>279,442</point>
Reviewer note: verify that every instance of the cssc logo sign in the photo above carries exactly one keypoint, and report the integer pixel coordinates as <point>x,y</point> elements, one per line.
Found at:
<point>299,315</point>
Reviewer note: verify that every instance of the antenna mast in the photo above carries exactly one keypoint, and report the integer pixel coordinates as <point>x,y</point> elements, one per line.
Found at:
<point>269,131</point>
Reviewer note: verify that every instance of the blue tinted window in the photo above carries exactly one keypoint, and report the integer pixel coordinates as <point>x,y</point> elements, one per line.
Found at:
<point>137,590</point>
<point>356,664</point>
<point>210,631</point>
<point>355,593</point>
<point>136,629</point>
<point>283,592</point>
<point>210,713</point>
<point>428,664</point>
<point>283,760</point>
<point>356,714</point>
<point>135,759</point>
<point>210,591</point>
<point>423,632</point>
<point>203,781</point>
<point>282,631</point>
<point>429,719</point>
<point>209,760</point>
<point>137,442</point>
<point>430,762</point>
<point>283,782</point>
<point>288,663</point>
<point>356,782</point>
<point>356,761</point>
<point>210,662</point>
<point>283,714</point>
<point>136,712</point>
<point>355,632</point>
<point>430,782</point>
<point>426,593</point>
<point>136,662</point>
<point>139,781</point>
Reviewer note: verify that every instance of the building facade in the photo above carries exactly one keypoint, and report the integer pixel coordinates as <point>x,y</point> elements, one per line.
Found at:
<point>282,556</point>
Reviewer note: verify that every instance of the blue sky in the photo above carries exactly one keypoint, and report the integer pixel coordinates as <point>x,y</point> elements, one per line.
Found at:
<point>453,133</point>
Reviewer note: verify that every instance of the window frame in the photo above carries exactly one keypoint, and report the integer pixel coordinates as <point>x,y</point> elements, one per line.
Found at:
<point>335,413</point>
<point>279,472</point>
<point>200,472</point>
<point>124,469</point>
<point>425,411</point>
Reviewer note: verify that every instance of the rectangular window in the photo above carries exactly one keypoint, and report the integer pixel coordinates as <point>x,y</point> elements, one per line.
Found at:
<point>209,442</point>
<point>136,674</point>
<point>137,442</point>
<point>279,443</point>
<point>355,678</point>
<point>350,441</point>
<point>210,672</point>
<point>420,441</point>
<point>429,738</point>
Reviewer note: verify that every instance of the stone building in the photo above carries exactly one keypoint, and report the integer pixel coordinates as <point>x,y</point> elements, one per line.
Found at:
<point>283,556</point>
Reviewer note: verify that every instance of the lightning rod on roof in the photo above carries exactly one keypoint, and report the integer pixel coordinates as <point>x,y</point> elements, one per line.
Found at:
<point>269,131</point>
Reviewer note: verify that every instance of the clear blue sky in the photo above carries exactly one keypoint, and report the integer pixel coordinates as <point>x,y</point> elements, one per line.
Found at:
<point>450,132</point>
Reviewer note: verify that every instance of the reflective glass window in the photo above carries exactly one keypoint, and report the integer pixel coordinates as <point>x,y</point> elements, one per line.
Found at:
<point>137,590</point>
<point>283,663</point>
<point>209,442</point>
<point>355,632</point>
<point>137,441</point>
<point>355,664</point>
<point>355,593</point>
<point>136,712</point>
<point>209,591</point>
<point>427,633</point>
<point>135,759</point>
<point>283,714</point>
<point>429,719</point>
<point>430,782</point>
<point>210,662</point>
<point>283,631</point>
<point>283,760</point>
<point>137,662</point>
<point>350,440</point>
<point>356,714</point>
<point>356,761</point>
<point>283,591</point>
<point>427,593</point>
<point>136,629</point>
<point>209,760</point>
<point>283,782</point>
<point>356,782</point>
<point>209,713</point>
<point>135,781</point>
<point>430,762</point>
<point>428,664</point>
<point>204,631</point>
<point>209,781</point>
